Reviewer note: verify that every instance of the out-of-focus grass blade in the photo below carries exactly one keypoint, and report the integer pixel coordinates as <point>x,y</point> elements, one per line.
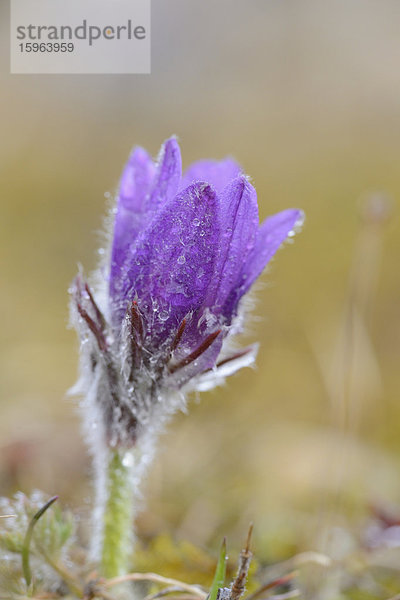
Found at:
<point>220,572</point>
<point>27,540</point>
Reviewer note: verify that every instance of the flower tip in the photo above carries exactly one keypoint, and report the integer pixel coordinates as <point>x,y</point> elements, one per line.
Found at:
<point>299,218</point>
<point>138,155</point>
<point>171,144</point>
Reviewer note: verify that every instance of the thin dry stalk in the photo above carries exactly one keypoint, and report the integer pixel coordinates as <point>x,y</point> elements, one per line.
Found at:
<point>239,583</point>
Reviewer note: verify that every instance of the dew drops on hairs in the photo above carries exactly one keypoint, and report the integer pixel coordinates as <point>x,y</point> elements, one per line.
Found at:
<point>196,222</point>
<point>127,460</point>
<point>163,316</point>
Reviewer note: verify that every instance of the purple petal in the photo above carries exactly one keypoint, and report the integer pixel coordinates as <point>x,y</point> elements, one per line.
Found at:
<point>239,224</point>
<point>271,235</point>
<point>134,187</point>
<point>218,173</point>
<point>168,176</point>
<point>136,180</point>
<point>144,188</point>
<point>173,261</point>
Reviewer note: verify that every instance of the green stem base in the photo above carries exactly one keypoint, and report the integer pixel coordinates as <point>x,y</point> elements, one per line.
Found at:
<point>117,538</point>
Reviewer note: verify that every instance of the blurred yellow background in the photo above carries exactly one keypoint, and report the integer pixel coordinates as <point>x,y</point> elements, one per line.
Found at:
<point>305,95</point>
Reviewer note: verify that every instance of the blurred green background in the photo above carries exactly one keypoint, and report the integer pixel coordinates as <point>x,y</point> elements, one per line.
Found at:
<point>305,95</point>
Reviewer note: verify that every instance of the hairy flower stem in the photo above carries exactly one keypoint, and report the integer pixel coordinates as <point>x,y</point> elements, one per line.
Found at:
<point>117,538</point>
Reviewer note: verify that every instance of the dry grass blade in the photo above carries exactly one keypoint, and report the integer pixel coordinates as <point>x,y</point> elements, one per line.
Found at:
<point>286,595</point>
<point>272,584</point>
<point>165,592</point>
<point>180,596</point>
<point>303,558</point>
<point>192,589</point>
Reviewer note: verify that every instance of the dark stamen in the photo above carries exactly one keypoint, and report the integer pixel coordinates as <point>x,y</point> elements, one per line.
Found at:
<point>196,353</point>
<point>101,320</point>
<point>135,337</point>
<point>136,318</point>
<point>229,359</point>
<point>135,350</point>
<point>233,357</point>
<point>99,335</point>
<point>178,335</point>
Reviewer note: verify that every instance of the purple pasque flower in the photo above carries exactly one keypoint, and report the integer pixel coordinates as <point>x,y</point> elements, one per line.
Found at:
<point>186,248</point>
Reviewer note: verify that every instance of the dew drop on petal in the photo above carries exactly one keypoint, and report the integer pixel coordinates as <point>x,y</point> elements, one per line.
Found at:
<point>181,260</point>
<point>163,316</point>
<point>196,222</point>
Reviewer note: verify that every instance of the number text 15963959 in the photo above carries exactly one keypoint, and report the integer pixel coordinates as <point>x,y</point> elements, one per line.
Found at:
<point>47,47</point>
